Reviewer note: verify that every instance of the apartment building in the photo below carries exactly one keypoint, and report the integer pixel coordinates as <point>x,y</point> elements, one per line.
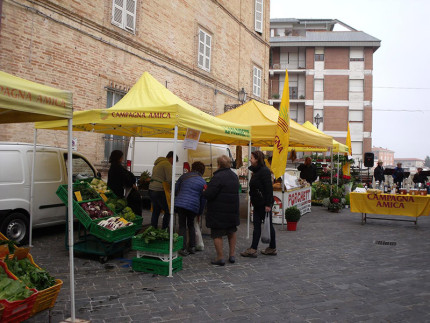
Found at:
<point>204,51</point>
<point>384,154</point>
<point>411,164</point>
<point>330,67</point>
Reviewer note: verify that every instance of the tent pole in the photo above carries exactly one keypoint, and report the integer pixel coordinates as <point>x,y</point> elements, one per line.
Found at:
<point>172,203</point>
<point>247,198</point>
<point>33,165</point>
<point>283,201</point>
<point>331,170</point>
<point>337,180</point>
<point>132,155</point>
<point>70,215</point>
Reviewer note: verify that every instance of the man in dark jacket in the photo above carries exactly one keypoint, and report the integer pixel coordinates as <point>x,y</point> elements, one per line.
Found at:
<point>378,173</point>
<point>398,175</point>
<point>222,217</point>
<point>419,177</point>
<point>308,171</point>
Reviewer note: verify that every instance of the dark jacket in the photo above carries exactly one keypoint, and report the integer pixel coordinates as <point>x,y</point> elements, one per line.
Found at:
<point>188,191</point>
<point>378,173</point>
<point>419,178</point>
<point>260,186</point>
<point>119,178</point>
<point>308,172</point>
<point>222,195</point>
<point>398,175</point>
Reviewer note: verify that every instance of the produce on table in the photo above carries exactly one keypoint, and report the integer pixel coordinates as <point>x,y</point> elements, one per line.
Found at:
<point>96,209</point>
<point>128,214</point>
<point>114,223</point>
<point>99,185</point>
<point>152,233</point>
<point>116,204</point>
<point>87,192</point>
<point>30,275</point>
<point>12,290</point>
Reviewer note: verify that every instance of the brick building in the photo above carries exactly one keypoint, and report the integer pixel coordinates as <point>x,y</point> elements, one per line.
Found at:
<point>330,66</point>
<point>205,51</point>
<point>384,154</point>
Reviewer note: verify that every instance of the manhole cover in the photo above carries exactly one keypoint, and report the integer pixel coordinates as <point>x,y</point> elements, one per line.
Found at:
<point>386,243</point>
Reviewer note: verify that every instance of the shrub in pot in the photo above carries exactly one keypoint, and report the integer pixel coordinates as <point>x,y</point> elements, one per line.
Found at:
<point>292,215</point>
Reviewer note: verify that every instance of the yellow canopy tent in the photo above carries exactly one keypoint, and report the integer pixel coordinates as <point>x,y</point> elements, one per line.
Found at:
<point>25,101</point>
<point>151,110</point>
<point>337,146</point>
<point>263,119</point>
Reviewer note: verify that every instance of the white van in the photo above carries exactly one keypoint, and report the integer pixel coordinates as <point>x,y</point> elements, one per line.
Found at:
<point>147,150</point>
<point>50,173</point>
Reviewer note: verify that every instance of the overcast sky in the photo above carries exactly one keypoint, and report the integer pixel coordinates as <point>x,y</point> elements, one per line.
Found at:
<point>401,66</point>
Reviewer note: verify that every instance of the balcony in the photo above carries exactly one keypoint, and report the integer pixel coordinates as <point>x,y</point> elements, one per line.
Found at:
<point>294,97</point>
<point>280,68</point>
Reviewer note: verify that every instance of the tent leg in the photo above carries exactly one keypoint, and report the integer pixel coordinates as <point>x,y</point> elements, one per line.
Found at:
<point>172,203</point>
<point>132,154</point>
<point>247,198</point>
<point>283,202</point>
<point>70,219</point>
<point>337,179</point>
<point>33,165</point>
<point>331,170</point>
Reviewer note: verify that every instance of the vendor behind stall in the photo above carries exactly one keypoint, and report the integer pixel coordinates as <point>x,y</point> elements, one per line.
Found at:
<point>398,175</point>
<point>419,177</point>
<point>308,171</point>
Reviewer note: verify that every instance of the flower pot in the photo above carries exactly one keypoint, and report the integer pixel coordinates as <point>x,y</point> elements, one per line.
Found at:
<point>291,226</point>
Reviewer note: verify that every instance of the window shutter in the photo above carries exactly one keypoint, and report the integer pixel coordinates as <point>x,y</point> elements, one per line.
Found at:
<point>256,82</point>
<point>259,16</point>
<point>130,14</point>
<point>117,12</point>
<point>204,50</point>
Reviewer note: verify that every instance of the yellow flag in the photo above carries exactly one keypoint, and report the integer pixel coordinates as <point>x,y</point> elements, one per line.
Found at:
<point>348,141</point>
<point>282,137</point>
<point>346,169</point>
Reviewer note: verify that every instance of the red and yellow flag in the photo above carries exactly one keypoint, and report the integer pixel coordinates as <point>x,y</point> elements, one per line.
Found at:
<point>282,137</point>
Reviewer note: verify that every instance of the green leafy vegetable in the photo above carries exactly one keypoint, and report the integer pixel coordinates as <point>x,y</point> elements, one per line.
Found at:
<point>12,290</point>
<point>152,234</point>
<point>30,275</point>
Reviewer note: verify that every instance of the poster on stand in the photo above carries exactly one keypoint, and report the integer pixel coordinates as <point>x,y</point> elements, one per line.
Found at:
<point>300,198</point>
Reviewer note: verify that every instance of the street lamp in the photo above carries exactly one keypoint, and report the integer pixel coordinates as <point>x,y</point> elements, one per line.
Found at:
<point>242,96</point>
<point>318,119</point>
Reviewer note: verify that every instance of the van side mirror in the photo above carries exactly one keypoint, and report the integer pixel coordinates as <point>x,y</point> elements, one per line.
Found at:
<point>98,175</point>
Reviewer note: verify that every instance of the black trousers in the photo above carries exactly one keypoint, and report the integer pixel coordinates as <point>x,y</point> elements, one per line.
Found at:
<point>258,217</point>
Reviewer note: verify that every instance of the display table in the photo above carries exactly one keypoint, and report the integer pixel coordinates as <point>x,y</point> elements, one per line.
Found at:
<point>299,197</point>
<point>390,204</point>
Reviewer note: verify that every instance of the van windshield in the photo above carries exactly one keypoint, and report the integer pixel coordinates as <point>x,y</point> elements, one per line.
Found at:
<point>81,168</point>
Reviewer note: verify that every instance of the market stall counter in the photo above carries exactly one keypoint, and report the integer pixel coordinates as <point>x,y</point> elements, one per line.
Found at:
<point>390,204</point>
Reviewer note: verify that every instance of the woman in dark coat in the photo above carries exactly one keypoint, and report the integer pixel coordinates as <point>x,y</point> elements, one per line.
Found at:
<point>120,179</point>
<point>261,193</point>
<point>190,203</point>
<point>222,215</point>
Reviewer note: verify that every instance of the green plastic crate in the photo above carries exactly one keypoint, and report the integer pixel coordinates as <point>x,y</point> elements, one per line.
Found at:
<point>159,246</point>
<point>156,266</point>
<point>138,221</point>
<point>109,235</point>
<point>62,193</point>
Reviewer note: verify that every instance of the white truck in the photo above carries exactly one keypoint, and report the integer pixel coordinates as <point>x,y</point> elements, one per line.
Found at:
<point>50,173</point>
<point>142,152</point>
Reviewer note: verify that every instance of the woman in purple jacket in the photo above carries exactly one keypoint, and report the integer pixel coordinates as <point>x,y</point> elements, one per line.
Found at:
<point>189,203</point>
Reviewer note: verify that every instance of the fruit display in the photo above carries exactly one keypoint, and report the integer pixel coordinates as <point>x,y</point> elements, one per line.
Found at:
<point>96,209</point>
<point>114,223</point>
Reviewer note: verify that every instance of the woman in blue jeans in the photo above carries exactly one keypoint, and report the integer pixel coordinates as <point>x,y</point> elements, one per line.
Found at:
<point>261,193</point>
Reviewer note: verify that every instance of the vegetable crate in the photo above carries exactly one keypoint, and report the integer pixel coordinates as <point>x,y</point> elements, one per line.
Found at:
<point>112,235</point>
<point>46,298</point>
<point>156,266</point>
<point>162,256</point>
<point>17,311</point>
<point>157,246</point>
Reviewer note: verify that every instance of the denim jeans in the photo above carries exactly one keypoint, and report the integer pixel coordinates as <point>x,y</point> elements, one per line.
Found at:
<point>186,219</point>
<point>159,202</point>
<point>258,217</point>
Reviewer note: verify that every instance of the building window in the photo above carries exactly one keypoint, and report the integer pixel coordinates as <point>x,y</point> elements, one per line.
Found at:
<point>293,93</point>
<point>113,142</point>
<point>124,14</point>
<point>204,56</point>
<point>356,55</point>
<point>319,57</point>
<point>256,82</point>
<point>356,85</point>
<point>259,16</point>
<point>319,85</point>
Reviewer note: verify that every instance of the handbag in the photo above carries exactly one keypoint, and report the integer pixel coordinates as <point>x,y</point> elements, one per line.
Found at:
<point>265,233</point>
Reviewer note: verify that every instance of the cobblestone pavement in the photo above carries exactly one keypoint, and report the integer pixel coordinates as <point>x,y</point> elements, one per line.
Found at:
<point>329,270</point>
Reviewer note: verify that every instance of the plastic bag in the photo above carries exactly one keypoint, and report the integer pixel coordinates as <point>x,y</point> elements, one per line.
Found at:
<point>265,233</point>
<point>200,246</point>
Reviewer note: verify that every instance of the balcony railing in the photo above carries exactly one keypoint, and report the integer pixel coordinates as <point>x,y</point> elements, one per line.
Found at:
<point>286,66</point>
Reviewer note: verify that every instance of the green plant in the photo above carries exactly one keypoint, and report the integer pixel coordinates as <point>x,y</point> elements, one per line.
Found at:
<point>275,96</point>
<point>301,97</point>
<point>292,214</point>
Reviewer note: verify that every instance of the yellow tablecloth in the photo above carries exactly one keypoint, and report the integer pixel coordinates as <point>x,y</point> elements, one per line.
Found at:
<point>407,205</point>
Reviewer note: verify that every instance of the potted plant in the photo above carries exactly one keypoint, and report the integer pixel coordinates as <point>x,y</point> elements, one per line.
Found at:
<point>144,180</point>
<point>292,215</point>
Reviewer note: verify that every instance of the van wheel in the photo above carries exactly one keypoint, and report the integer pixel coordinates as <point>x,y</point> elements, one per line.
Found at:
<point>15,227</point>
